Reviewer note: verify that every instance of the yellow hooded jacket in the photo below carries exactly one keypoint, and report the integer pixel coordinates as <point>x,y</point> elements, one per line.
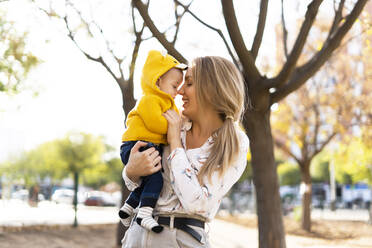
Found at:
<point>146,122</point>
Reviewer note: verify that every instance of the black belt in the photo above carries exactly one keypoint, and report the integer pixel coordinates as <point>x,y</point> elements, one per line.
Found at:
<point>183,224</point>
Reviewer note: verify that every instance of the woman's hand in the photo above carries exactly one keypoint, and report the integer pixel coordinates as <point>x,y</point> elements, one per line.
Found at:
<point>142,163</point>
<point>174,129</point>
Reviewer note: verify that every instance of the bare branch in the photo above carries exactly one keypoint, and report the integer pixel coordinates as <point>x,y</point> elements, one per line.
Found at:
<point>88,24</point>
<point>260,29</point>
<point>179,18</point>
<point>317,124</point>
<point>330,137</point>
<point>245,56</point>
<point>99,59</point>
<point>286,149</point>
<point>285,33</point>
<point>337,19</point>
<point>137,44</point>
<point>214,29</point>
<point>142,9</point>
<point>290,64</point>
<point>303,73</point>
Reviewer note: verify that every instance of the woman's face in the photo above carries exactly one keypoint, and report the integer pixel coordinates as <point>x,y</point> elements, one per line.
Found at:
<point>190,106</point>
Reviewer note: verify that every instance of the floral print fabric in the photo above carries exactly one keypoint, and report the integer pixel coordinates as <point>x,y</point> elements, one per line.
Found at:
<point>182,194</point>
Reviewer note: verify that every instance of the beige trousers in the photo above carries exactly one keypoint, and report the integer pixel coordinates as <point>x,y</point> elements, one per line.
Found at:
<point>138,237</point>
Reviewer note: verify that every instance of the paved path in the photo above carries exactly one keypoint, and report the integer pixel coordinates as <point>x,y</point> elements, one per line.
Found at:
<point>222,234</point>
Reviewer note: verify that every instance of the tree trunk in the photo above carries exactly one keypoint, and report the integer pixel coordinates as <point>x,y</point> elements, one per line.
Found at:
<point>128,103</point>
<point>269,212</point>
<point>306,197</point>
<point>76,189</point>
<point>370,210</point>
<point>120,231</point>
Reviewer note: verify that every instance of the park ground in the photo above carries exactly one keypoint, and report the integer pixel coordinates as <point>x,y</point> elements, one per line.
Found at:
<point>225,232</point>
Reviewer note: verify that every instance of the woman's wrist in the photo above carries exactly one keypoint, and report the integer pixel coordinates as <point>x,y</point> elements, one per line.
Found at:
<point>130,175</point>
<point>175,144</point>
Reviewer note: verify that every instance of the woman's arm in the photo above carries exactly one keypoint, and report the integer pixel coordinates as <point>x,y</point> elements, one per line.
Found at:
<point>140,164</point>
<point>174,129</point>
<point>200,199</point>
<point>196,198</point>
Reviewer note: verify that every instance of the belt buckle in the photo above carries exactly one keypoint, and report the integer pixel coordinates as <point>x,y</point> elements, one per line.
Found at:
<point>171,222</point>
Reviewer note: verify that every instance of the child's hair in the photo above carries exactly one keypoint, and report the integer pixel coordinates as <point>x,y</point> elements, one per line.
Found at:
<point>220,84</point>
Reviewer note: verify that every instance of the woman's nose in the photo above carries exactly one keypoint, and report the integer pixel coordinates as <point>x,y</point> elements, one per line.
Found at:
<point>180,90</point>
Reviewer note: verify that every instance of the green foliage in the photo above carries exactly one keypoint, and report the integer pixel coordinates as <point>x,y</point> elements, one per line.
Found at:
<point>103,173</point>
<point>319,170</point>
<point>58,159</point>
<point>355,159</point>
<point>81,151</point>
<point>289,174</point>
<point>16,61</point>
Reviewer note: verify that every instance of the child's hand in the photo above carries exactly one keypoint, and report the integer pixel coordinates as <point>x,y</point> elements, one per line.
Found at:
<point>174,128</point>
<point>142,163</point>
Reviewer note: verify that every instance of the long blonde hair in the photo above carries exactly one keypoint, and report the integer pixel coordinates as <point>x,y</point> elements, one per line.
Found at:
<point>219,84</point>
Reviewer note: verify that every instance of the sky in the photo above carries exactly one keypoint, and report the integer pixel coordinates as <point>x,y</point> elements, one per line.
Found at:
<point>75,94</point>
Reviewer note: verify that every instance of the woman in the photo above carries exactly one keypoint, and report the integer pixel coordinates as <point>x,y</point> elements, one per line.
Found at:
<point>205,157</point>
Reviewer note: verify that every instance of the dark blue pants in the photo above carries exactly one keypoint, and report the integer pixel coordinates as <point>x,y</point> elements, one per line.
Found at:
<point>148,192</point>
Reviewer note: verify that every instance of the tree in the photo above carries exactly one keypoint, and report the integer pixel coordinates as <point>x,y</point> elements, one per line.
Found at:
<point>16,60</point>
<point>109,171</point>
<point>264,91</point>
<point>308,120</point>
<point>355,159</point>
<point>48,162</point>
<point>289,174</point>
<point>84,29</point>
<point>79,152</point>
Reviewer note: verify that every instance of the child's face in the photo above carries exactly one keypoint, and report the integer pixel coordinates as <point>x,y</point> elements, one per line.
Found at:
<point>170,81</point>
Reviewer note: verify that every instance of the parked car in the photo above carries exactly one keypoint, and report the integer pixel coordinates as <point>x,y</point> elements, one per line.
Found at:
<point>21,194</point>
<point>63,196</point>
<point>99,198</point>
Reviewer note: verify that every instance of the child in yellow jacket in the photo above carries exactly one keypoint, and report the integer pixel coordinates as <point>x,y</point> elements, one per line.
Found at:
<point>161,76</point>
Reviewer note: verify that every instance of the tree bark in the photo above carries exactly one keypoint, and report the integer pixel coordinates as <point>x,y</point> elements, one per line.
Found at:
<point>306,197</point>
<point>269,210</point>
<point>120,230</point>
<point>75,202</point>
<point>370,210</point>
<point>126,88</point>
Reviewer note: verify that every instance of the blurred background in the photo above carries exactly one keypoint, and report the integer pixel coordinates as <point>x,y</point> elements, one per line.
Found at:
<point>69,74</point>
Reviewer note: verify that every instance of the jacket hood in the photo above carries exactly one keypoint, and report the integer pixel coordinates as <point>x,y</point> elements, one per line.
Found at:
<point>155,66</point>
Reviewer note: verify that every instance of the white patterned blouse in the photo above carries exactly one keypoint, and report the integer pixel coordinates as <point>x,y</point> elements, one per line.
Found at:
<point>182,194</point>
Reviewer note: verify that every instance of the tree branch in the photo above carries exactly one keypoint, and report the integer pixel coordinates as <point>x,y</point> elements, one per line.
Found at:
<point>214,29</point>
<point>285,149</point>
<point>88,24</point>
<point>260,29</point>
<point>303,73</point>
<point>142,9</point>
<point>324,144</point>
<point>285,33</point>
<point>99,59</point>
<point>337,19</point>
<point>178,18</point>
<point>245,56</point>
<point>290,64</point>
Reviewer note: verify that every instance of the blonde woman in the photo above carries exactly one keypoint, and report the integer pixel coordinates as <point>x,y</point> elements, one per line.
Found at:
<point>206,155</point>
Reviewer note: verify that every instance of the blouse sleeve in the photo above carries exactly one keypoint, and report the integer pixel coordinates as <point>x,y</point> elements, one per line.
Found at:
<point>194,197</point>
<point>129,183</point>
